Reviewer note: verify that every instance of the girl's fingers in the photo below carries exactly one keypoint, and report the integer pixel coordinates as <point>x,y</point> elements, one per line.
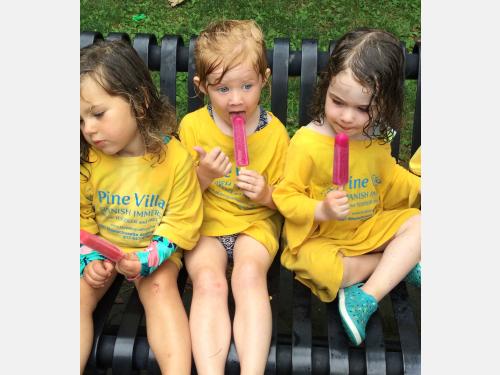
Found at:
<point>223,164</point>
<point>95,276</point>
<point>246,186</point>
<point>248,179</point>
<point>249,172</point>
<point>108,266</point>
<point>93,281</point>
<point>248,194</point>
<point>219,159</point>
<point>97,271</point>
<point>213,154</point>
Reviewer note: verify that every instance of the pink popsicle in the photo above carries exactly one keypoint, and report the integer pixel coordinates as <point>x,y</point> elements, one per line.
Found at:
<point>106,248</point>
<point>240,141</point>
<point>341,160</point>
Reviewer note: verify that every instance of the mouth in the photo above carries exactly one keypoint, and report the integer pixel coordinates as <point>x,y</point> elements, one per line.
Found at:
<point>239,113</point>
<point>98,143</point>
<point>344,130</point>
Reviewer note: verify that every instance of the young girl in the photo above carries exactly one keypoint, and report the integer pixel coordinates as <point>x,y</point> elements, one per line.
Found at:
<point>139,191</point>
<point>240,220</point>
<point>340,236</point>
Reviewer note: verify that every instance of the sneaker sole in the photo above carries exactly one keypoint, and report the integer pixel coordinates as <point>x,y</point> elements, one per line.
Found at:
<point>347,320</point>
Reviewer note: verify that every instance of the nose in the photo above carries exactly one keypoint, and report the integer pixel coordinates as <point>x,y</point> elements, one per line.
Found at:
<point>235,98</point>
<point>347,115</point>
<point>89,126</point>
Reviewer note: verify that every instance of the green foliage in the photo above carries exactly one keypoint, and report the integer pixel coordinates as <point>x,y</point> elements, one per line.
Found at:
<point>324,20</point>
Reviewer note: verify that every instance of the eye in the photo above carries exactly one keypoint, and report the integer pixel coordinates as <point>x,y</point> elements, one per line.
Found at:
<point>98,114</point>
<point>363,109</point>
<point>222,89</point>
<point>336,101</point>
<point>247,86</point>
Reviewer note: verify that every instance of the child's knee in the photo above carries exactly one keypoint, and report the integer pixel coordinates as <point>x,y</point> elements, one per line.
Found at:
<point>160,283</point>
<point>158,294</point>
<point>411,225</point>
<point>210,281</point>
<point>247,275</point>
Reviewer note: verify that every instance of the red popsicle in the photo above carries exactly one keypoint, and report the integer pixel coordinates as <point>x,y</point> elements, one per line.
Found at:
<point>106,248</point>
<point>240,141</point>
<point>341,160</point>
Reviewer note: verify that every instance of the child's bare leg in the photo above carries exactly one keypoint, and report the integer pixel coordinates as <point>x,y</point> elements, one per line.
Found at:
<point>166,319</point>
<point>209,315</point>
<point>399,257</point>
<point>89,297</point>
<point>358,268</point>
<point>252,319</point>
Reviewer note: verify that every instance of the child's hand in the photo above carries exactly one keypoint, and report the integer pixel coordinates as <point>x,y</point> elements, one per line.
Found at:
<point>213,165</point>
<point>98,272</point>
<point>129,266</point>
<point>335,206</point>
<point>255,187</point>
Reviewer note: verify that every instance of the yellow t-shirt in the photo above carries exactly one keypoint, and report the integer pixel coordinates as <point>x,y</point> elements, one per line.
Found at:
<point>415,163</point>
<point>127,200</point>
<point>226,209</point>
<point>376,184</point>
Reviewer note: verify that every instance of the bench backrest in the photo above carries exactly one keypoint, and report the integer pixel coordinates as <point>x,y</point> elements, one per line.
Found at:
<point>171,56</point>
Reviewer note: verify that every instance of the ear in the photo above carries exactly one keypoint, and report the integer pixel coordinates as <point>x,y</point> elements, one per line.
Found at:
<point>267,74</point>
<point>199,85</point>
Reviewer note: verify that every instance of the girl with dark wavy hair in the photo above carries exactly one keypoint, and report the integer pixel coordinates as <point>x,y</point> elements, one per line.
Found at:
<point>361,239</point>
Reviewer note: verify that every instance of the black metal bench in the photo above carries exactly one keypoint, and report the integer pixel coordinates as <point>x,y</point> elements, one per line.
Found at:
<point>307,336</point>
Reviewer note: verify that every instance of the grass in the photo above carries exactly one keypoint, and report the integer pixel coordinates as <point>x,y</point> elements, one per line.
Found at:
<point>323,20</point>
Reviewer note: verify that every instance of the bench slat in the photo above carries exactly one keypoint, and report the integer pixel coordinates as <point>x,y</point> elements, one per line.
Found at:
<point>301,330</point>
<point>337,342</point>
<point>100,316</point>
<point>123,353</point>
<point>143,45</point>
<point>308,73</point>
<point>408,333</point>
<point>375,346</point>
<point>88,38</point>
<point>415,140</point>
<point>168,67</point>
<point>279,78</point>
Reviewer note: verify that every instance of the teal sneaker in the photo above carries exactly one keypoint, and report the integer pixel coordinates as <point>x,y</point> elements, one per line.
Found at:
<point>356,307</point>
<point>414,277</point>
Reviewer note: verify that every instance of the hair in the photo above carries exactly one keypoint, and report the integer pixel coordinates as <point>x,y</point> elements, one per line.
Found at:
<point>117,67</point>
<point>228,43</point>
<point>376,60</point>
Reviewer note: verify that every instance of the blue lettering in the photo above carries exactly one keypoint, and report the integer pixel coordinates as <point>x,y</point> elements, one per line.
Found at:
<point>137,200</point>
<point>102,195</point>
<point>117,196</point>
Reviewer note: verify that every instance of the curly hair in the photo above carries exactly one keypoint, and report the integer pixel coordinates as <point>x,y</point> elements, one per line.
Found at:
<point>376,59</point>
<point>117,67</point>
